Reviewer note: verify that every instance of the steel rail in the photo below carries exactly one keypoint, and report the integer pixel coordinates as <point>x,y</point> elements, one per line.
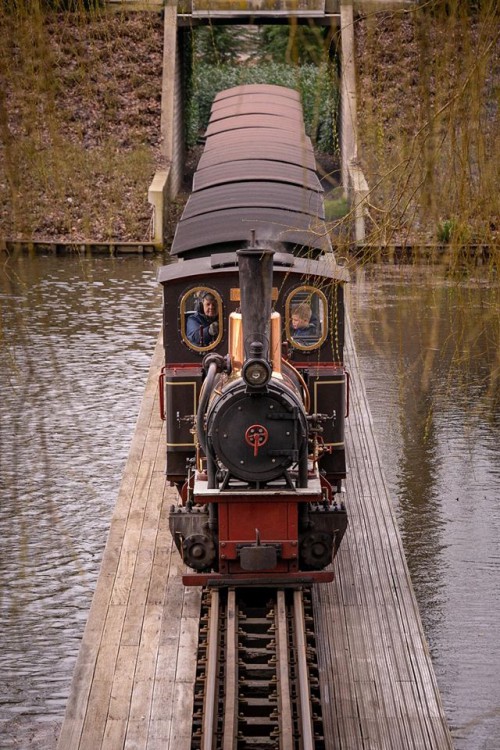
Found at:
<point>264,642</point>
<point>210,701</point>
<point>282,674</point>
<point>302,669</point>
<point>231,674</point>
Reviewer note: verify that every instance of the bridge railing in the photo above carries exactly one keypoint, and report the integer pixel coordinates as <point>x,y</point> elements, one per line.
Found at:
<point>256,7</point>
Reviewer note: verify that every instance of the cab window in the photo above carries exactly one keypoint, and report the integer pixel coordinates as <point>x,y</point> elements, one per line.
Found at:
<point>306,318</point>
<point>201,318</point>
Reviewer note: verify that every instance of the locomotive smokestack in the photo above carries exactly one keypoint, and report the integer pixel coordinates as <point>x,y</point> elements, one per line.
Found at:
<point>255,265</point>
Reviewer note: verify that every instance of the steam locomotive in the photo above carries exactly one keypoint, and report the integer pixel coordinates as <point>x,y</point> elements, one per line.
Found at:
<point>254,391</point>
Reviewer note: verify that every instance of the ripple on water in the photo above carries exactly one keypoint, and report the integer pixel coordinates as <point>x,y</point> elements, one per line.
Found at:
<point>427,364</point>
<point>79,335</point>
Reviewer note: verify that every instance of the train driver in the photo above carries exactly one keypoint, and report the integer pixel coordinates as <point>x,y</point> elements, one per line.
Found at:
<point>303,325</point>
<point>202,327</point>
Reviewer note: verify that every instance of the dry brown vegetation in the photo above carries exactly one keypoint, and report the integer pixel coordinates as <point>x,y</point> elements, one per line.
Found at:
<point>79,123</point>
<point>428,111</point>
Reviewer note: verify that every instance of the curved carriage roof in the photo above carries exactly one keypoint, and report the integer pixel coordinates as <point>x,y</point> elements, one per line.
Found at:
<point>239,122</point>
<point>253,104</point>
<point>254,194</point>
<point>256,136</point>
<point>248,170</point>
<point>258,88</point>
<point>235,226</point>
<point>257,173</point>
<point>269,150</point>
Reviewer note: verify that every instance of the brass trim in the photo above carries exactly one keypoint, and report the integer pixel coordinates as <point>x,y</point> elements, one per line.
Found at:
<point>236,342</point>
<point>235,294</point>
<point>275,344</point>
<point>288,318</point>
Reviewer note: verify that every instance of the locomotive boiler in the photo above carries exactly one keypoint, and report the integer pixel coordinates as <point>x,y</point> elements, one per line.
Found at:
<point>254,391</point>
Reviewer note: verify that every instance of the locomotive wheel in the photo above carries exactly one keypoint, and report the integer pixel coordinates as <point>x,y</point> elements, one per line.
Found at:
<point>316,550</point>
<point>198,551</point>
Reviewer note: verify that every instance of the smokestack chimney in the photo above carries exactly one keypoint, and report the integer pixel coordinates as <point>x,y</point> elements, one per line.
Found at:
<point>255,265</point>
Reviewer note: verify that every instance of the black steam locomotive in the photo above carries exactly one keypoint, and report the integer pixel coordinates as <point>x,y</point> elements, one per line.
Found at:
<point>254,391</point>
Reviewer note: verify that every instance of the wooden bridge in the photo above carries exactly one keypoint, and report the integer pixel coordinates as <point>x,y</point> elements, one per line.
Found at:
<point>133,682</point>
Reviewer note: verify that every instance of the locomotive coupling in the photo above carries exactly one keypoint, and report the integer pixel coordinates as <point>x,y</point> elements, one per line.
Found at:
<point>258,556</point>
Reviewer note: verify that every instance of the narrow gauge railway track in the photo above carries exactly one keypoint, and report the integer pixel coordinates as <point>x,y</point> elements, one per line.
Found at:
<point>257,683</point>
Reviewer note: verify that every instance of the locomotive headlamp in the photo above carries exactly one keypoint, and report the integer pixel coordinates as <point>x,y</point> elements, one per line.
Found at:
<point>256,372</point>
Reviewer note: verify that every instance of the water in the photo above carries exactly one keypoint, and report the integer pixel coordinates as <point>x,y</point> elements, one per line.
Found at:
<point>428,347</point>
<point>77,339</point>
<point>77,335</point>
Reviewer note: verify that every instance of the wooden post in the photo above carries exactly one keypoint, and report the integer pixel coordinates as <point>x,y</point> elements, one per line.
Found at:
<point>157,197</point>
<point>171,101</point>
<point>353,179</point>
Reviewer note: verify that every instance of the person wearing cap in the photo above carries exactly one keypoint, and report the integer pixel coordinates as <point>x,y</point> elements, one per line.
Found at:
<point>202,327</point>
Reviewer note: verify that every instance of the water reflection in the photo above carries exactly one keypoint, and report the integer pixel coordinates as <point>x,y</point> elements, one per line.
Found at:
<point>429,348</point>
<point>77,336</point>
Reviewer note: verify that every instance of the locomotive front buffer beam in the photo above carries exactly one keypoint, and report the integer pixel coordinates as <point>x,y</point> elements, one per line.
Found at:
<point>281,535</point>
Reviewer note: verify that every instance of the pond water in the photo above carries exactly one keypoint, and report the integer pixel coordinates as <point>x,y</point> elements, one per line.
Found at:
<point>77,335</point>
<point>429,348</point>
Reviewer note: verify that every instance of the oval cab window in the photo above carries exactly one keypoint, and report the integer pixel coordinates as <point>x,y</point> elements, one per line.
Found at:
<point>306,318</point>
<point>201,318</point>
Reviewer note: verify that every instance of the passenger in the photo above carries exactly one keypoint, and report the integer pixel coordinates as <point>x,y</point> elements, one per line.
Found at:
<point>202,328</point>
<point>303,327</point>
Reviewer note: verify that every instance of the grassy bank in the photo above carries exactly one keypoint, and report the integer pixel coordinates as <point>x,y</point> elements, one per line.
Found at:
<point>79,123</point>
<point>428,110</point>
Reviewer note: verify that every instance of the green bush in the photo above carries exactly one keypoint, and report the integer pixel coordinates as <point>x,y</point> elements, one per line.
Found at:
<point>445,230</point>
<point>295,43</point>
<point>336,206</point>
<point>216,44</point>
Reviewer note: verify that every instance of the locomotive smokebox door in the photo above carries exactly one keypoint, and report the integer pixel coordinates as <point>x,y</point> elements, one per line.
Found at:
<point>257,438</point>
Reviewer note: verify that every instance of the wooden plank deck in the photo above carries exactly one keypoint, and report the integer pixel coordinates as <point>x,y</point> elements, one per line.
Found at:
<point>378,685</point>
<point>132,685</point>
<point>133,681</point>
